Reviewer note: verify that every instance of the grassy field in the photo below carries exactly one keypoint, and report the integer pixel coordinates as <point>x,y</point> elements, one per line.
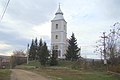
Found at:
<point>69,74</point>
<point>65,72</point>
<point>5,74</point>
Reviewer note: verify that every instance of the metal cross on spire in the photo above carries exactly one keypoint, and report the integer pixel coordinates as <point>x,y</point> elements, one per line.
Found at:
<point>59,4</point>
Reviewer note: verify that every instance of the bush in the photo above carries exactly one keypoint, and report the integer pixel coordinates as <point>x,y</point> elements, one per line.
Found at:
<point>115,68</point>
<point>17,61</point>
<point>53,58</point>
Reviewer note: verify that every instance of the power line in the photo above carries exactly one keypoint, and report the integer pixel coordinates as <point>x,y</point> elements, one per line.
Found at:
<point>4,10</point>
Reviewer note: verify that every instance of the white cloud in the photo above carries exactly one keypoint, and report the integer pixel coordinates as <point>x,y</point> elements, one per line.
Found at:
<point>6,54</point>
<point>43,29</point>
<point>26,20</point>
<point>3,45</point>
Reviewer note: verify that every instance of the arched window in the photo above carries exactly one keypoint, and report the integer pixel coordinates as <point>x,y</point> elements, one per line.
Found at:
<point>59,53</point>
<point>56,46</point>
<point>53,47</point>
<point>56,37</point>
<point>56,26</point>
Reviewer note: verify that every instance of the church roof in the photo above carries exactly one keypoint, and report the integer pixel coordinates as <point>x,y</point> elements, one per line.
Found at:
<point>58,15</point>
<point>59,11</point>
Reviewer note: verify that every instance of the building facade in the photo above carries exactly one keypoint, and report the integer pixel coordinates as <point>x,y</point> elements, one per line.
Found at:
<point>59,34</point>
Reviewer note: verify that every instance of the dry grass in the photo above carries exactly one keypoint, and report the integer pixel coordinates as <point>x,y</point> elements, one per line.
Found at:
<point>65,72</point>
<point>5,74</point>
<point>69,74</point>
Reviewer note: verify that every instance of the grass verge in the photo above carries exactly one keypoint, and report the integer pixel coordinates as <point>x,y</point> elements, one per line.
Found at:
<point>65,72</point>
<point>69,74</point>
<point>5,74</point>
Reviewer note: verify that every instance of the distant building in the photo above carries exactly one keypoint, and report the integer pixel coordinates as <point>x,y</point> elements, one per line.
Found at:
<point>4,63</point>
<point>0,62</point>
<point>59,34</point>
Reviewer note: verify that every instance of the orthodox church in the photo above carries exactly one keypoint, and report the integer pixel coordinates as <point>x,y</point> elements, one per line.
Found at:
<point>59,34</point>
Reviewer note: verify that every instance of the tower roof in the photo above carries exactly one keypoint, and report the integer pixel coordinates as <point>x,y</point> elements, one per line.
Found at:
<point>59,11</point>
<point>58,15</point>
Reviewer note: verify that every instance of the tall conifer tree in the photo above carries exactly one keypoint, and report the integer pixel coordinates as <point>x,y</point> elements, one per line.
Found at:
<point>44,54</point>
<point>39,49</point>
<point>53,58</point>
<point>36,49</point>
<point>32,51</point>
<point>73,50</point>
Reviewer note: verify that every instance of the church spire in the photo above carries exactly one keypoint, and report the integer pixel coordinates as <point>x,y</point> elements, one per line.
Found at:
<point>58,14</point>
<point>59,11</point>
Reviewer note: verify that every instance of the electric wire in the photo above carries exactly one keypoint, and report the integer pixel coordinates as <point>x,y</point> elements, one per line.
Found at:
<point>5,10</point>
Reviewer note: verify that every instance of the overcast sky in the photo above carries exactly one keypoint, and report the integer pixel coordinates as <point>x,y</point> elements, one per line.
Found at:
<point>28,19</point>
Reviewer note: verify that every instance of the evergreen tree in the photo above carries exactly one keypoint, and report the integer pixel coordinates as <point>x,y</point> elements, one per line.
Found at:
<point>73,50</point>
<point>36,49</point>
<point>32,51</point>
<point>39,49</point>
<point>44,54</point>
<point>53,59</point>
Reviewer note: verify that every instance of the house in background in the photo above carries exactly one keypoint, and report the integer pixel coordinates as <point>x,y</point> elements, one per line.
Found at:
<point>4,62</point>
<point>0,62</point>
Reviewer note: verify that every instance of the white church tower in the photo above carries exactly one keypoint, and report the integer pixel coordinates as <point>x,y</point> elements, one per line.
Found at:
<point>59,34</point>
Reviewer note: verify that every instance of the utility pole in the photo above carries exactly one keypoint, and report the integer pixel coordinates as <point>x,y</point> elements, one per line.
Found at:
<point>104,50</point>
<point>101,54</point>
<point>27,53</point>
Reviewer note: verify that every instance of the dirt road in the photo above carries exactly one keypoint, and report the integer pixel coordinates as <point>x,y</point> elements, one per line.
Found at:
<point>18,74</point>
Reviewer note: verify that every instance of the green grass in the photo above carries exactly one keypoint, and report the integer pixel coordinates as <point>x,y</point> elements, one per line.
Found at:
<point>69,74</point>
<point>5,74</point>
<point>33,63</point>
<point>65,72</point>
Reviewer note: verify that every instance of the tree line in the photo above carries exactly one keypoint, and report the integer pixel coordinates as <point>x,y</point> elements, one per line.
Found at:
<point>38,50</point>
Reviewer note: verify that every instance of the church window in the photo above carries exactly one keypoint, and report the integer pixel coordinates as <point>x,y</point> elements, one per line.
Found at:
<point>56,46</point>
<point>56,37</point>
<point>53,47</point>
<point>64,27</point>
<point>56,26</point>
<point>59,53</point>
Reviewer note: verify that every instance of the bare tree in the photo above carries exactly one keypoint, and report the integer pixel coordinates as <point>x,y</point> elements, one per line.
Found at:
<point>18,57</point>
<point>109,46</point>
<point>19,53</point>
<point>113,43</point>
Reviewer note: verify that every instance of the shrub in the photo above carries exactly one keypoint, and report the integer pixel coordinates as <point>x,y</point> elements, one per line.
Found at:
<point>115,68</point>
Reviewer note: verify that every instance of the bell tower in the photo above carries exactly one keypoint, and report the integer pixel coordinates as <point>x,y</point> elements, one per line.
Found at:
<point>59,34</point>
